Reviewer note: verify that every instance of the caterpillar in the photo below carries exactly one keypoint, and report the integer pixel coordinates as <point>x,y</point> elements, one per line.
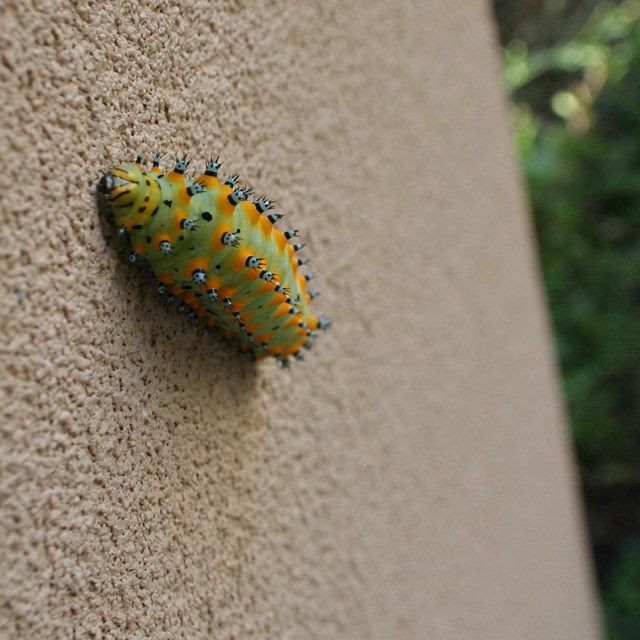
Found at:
<point>215,247</point>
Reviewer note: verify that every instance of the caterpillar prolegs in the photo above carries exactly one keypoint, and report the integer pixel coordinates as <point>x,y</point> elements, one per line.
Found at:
<point>214,246</point>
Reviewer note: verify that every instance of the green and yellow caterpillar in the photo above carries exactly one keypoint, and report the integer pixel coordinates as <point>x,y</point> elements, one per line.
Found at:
<point>209,243</point>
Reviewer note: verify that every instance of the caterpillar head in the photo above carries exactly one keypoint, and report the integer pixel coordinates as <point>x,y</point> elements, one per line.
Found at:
<point>132,193</point>
<point>120,185</point>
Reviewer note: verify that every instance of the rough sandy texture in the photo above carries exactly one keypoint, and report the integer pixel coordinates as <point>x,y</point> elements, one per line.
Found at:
<point>412,478</point>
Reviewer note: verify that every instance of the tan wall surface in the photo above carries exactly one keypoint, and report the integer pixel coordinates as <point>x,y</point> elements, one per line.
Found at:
<point>412,478</point>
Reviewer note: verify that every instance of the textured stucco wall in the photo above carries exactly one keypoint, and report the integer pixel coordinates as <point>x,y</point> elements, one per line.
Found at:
<point>412,478</point>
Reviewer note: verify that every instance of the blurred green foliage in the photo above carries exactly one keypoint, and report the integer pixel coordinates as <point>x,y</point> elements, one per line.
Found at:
<point>576,116</point>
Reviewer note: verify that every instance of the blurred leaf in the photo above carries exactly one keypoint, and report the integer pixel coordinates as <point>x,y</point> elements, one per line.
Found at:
<point>576,120</point>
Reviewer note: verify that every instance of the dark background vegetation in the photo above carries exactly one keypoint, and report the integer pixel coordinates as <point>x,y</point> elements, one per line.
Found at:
<point>572,68</point>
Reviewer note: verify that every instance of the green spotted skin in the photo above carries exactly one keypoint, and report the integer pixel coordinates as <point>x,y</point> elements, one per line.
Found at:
<point>218,250</point>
